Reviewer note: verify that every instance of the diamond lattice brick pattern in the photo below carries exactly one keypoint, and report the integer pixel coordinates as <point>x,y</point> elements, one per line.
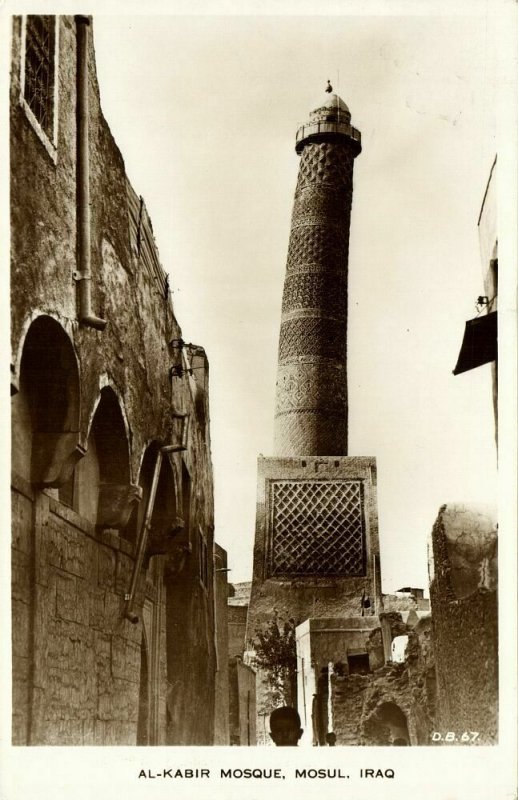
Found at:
<point>318,528</point>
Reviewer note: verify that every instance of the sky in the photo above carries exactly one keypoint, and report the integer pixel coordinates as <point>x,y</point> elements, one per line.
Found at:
<point>204,110</point>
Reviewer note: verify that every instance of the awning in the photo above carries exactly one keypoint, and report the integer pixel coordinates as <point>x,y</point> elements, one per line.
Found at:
<point>479,345</point>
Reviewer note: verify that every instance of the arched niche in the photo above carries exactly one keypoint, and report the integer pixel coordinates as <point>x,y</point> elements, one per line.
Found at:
<point>388,725</point>
<point>105,494</point>
<point>45,411</point>
<point>165,514</point>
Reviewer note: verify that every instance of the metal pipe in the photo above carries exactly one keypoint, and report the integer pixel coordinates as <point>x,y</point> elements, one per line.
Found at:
<point>83,275</point>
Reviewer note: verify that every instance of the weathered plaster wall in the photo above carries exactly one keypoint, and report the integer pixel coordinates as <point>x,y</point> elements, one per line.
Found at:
<point>463,593</point>
<point>221,711</point>
<point>237,630</point>
<point>242,703</point>
<point>362,705</point>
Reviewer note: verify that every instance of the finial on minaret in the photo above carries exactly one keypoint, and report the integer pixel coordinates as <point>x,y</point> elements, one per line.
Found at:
<point>329,88</point>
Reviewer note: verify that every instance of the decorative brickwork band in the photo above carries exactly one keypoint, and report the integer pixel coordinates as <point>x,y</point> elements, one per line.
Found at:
<point>315,290</point>
<point>311,398</point>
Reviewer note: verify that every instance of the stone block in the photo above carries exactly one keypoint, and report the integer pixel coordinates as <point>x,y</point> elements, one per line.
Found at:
<point>21,517</point>
<point>113,612</point>
<point>106,567</point>
<point>125,659</point>
<point>20,576</point>
<point>71,598</point>
<point>99,733</point>
<point>67,548</point>
<point>120,701</point>
<point>96,619</point>
<point>120,733</point>
<point>89,732</point>
<point>102,659</point>
<point>21,668</point>
<point>123,573</point>
<point>106,611</point>
<point>20,699</point>
<point>63,732</point>
<point>19,728</point>
<point>20,628</point>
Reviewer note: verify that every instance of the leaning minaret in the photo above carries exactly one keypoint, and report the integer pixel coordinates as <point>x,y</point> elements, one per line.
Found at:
<point>311,401</point>
<point>316,553</point>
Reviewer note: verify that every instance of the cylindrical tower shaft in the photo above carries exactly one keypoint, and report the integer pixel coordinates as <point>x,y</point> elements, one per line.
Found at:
<point>311,396</point>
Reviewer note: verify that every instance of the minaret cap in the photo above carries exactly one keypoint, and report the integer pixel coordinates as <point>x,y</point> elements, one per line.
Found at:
<point>330,106</point>
<point>329,119</point>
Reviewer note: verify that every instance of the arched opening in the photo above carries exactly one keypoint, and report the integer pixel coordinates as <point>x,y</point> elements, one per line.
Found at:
<point>388,726</point>
<point>45,411</point>
<point>104,494</point>
<point>109,433</point>
<point>165,518</point>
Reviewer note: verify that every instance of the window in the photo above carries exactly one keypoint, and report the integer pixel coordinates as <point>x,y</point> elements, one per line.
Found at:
<point>358,664</point>
<point>39,75</point>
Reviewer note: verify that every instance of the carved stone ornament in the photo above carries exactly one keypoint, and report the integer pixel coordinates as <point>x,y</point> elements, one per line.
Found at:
<point>116,502</point>
<point>54,456</point>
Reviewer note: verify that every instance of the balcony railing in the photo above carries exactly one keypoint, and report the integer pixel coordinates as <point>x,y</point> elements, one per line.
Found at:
<point>315,130</point>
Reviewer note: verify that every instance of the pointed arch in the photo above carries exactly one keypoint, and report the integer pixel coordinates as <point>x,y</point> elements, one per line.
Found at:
<point>45,411</point>
<point>105,494</point>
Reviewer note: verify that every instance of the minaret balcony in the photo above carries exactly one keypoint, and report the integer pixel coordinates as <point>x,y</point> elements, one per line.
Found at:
<point>323,131</point>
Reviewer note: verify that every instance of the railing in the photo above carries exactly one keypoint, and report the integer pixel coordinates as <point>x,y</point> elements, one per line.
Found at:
<point>319,128</point>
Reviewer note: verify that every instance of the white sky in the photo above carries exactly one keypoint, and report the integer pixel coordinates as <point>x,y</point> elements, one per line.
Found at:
<point>204,110</point>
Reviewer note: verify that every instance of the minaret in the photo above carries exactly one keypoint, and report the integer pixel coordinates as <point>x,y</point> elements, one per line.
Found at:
<point>311,398</point>
<point>316,552</point>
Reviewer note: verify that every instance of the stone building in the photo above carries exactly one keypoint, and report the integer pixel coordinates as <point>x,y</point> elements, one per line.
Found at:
<point>115,637</point>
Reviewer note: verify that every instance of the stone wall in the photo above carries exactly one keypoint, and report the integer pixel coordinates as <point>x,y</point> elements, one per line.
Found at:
<point>92,406</point>
<point>463,593</point>
<point>242,703</point>
<point>221,706</point>
<point>236,630</point>
<point>375,706</point>
<point>22,500</point>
